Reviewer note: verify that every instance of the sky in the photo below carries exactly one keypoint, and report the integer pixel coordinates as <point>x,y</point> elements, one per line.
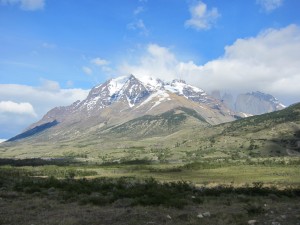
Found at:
<point>52,52</point>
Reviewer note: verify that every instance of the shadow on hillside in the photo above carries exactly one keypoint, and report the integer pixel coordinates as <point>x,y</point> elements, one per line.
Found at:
<point>285,145</point>
<point>38,162</point>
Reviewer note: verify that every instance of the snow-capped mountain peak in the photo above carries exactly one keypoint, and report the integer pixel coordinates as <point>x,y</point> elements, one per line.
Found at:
<point>180,87</point>
<point>133,91</point>
<point>127,97</point>
<point>151,83</point>
<point>116,84</point>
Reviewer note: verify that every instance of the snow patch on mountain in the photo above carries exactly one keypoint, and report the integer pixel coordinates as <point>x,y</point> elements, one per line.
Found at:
<point>90,104</point>
<point>129,103</point>
<point>151,83</point>
<point>179,87</point>
<point>158,97</point>
<point>116,84</point>
<point>162,97</point>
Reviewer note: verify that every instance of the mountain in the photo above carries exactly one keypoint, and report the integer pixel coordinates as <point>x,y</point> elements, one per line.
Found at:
<point>125,98</point>
<point>228,100</point>
<point>178,135</point>
<point>127,118</point>
<point>257,103</point>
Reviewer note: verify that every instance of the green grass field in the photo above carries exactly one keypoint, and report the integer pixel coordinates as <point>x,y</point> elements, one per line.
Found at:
<point>276,171</point>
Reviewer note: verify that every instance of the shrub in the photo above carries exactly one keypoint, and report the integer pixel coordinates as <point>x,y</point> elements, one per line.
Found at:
<point>254,208</point>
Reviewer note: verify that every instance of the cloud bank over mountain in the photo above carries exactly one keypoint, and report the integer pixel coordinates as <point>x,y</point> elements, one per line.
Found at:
<point>268,62</point>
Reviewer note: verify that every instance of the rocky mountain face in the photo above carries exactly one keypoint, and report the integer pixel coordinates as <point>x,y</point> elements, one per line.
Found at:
<point>254,103</point>
<point>228,100</point>
<point>257,103</point>
<point>125,98</point>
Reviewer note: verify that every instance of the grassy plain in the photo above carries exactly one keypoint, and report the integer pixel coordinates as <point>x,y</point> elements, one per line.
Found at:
<point>266,190</point>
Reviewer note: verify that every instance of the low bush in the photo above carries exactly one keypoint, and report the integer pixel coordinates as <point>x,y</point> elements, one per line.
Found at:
<point>103,191</point>
<point>254,208</point>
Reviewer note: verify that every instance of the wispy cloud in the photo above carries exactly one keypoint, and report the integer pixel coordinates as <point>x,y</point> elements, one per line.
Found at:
<point>29,5</point>
<point>138,10</point>
<point>138,26</point>
<point>202,18</point>
<point>87,70</point>
<point>69,83</point>
<point>48,45</point>
<point>20,64</point>
<point>97,67</point>
<point>103,64</point>
<point>100,62</point>
<point>269,5</point>
<point>50,85</point>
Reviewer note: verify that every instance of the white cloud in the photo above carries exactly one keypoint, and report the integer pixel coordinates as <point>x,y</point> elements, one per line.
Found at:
<point>17,108</point>
<point>265,62</point>
<point>14,117</point>
<point>269,5</point>
<point>2,140</point>
<point>29,5</point>
<point>158,61</point>
<point>268,62</point>
<point>138,26</point>
<point>87,70</point>
<point>42,99</point>
<point>19,104</point>
<point>201,17</point>
<point>100,62</point>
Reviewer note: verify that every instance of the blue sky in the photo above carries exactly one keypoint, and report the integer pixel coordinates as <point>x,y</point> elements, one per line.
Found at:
<point>58,49</point>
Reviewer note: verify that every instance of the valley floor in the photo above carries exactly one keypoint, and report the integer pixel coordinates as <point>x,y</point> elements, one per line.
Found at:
<point>259,191</point>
